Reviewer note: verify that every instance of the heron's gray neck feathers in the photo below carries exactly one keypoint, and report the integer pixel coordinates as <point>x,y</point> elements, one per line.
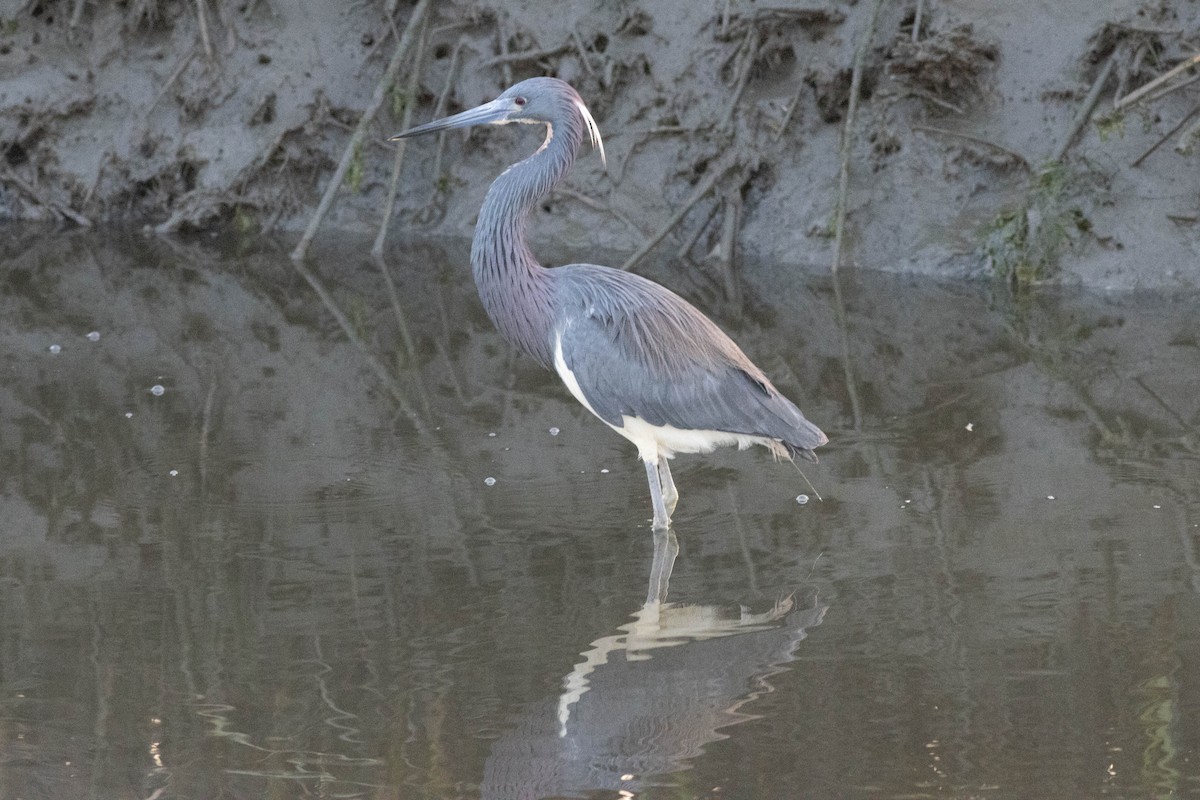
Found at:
<point>515,289</point>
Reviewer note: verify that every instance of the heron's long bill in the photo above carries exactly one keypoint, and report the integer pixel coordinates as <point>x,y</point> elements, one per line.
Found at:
<point>487,114</point>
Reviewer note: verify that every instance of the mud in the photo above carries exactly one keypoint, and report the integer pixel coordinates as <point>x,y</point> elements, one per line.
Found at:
<point>201,115</point>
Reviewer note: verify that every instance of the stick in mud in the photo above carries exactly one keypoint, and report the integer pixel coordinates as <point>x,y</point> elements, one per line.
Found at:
<point>410,100</point>
<point>703,188</point>
<point>1138,161</point>
<point>1140,92</point>
<point>839,218</point>
<point>389,77</point>
<point>1085,110</point>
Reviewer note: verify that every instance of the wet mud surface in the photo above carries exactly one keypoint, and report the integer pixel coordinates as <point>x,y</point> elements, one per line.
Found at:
<point>287,573</point>
<point>966,158</point>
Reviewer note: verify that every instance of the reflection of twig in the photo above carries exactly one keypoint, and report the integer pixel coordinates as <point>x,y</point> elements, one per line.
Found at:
<point>439,343</point>
<point>352,147</point>
<point>410,347</point>
<point>844,340</point>
<point>839,216</point>
<point>1172,412</point>
<point>385,377</point>
<point>751,572</point>
<point>206,428</point>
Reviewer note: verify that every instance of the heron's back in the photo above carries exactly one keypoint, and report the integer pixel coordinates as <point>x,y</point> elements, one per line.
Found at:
<point>638,350</point>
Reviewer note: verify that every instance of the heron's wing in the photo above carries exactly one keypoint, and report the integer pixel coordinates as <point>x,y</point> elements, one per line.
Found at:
<point>638,349</point>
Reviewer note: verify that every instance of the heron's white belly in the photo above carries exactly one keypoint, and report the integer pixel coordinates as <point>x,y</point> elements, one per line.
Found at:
<point>653,441</point>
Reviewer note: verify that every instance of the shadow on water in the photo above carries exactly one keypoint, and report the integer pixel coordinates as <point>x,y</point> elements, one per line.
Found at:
<point>269,532</point>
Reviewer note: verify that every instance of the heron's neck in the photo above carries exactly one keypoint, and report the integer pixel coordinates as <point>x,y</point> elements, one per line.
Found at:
<point>514,287</point>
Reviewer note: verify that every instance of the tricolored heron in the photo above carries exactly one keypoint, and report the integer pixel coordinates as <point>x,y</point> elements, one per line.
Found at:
<point>637,355</point>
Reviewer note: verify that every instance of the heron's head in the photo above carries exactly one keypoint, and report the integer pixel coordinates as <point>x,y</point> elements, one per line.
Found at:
<point>545,101</point>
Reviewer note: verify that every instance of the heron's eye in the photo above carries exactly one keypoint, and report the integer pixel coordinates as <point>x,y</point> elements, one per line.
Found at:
<point>520,101</point>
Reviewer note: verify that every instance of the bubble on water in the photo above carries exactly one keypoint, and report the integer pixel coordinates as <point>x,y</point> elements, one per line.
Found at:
<point>489,481</point>
<point>55,349</point>
<point>554,431</point>
<point>94,336</point>
<point>173,473</point>
<point>157,390</point>
<point>801,499</point>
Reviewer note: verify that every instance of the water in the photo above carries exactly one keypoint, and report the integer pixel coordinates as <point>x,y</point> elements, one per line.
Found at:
<point>286,574</point>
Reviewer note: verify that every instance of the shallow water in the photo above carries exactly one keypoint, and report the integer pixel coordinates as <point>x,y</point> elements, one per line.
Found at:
<point>288,575</point>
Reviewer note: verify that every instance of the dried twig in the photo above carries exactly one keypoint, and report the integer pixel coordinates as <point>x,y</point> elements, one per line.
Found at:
<point>1142,91</point>
<point>60,208</point>
<point>791,110</point>
<point>1166,90</point>
<point>526,55</point>
<point>597,205</point>
<point>502,35</point>
<point>583,56</point>
<point>729,236</point>
<point>1086,108</point>
<point>208,48</point>
<point>930,97</point>
<point>171,80</point>
<point>410,100</point>
<point>698,232</point>
<point>1013,154</point>
<point>1187,139</point>
<point>860,57</point>
<point>439,111</point>
<point>704,187</point>
<point>1138,161</point>
<point>389,77</point>
<point>747,67</point>
<point>916,29</point>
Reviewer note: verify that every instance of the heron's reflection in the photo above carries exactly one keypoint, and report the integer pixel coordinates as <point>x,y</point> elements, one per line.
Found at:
<point>646,699</point>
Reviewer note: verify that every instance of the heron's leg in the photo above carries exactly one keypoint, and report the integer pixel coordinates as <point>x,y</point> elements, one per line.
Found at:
<point>670,493</point>
<point>662,518</point>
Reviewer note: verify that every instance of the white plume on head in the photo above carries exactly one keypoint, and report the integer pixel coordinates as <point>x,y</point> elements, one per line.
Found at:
<point>593,131</point>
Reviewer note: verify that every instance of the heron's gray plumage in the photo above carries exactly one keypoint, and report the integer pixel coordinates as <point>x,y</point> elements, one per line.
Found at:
<point>621,338</point>
<point>635,353</point>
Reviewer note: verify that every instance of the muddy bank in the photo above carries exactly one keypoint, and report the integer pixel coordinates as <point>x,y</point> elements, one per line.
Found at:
<point>967,156</point>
